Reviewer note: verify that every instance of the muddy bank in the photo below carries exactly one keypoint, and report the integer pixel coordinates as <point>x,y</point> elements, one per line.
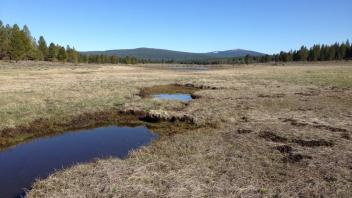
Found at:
<point>167,89</point>
<point>160,121</point>
<point>187,88</point>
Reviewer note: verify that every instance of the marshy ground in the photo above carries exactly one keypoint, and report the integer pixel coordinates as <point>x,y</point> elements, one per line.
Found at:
<point>282,131</point>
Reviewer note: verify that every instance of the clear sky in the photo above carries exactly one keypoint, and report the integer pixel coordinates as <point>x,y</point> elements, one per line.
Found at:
<point>187,25</point>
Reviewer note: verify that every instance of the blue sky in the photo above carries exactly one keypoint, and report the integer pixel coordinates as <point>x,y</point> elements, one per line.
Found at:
<point>187,25</point>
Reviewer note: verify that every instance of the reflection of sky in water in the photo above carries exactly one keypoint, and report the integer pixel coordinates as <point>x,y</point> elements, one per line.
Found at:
<point>22,164</point>
<point>179,97</point>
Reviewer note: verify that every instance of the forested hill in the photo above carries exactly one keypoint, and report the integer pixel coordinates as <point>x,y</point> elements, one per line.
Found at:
<point>18,44</point>
<point>161,54</point>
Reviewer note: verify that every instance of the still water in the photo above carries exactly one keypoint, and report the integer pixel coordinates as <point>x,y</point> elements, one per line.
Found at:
<point>22,164</point>
<point>177,96</point>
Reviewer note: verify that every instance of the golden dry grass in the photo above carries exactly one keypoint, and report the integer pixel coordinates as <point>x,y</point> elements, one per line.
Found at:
<point>275,131</point>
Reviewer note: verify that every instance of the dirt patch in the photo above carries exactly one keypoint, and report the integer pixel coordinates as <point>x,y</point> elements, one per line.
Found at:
<point>244,131</point>
<point>295,157</point>
<point>284,148</point>
<point>330,178</point>
<point>308,109</point>
<point>290,156</point>
<point>330,128</point>
<point>308,93</point>
<point>313,143</point>
<point>44,127</point>
<point>244,119</point>
<point>345,135</point>
<point>295,122</point>
<point>268,135</point>
<point>279,95</point>
<point>199,86</point>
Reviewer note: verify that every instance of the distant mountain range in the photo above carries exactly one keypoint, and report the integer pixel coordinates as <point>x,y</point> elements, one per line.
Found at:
<point>159,54</point>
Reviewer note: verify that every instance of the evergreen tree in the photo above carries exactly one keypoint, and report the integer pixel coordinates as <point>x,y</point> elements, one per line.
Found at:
<point>113,60</point>
<point>276,58</point>
<point>27,40</point>
<point>314,53</point>
<point>349,50</point>
<point>72,54</point>
<point>324,55</point>
<point>4,41</point>
<point>266,59</point>
<point>283,56</point>
<point>303,54</point>
<point>83,58</point>
<point>17,46</point>
<point>331,53</point>
<point>52,52</point>
<point>62,56</point>
<point>342,51</point>
<point>43,48</point>
<point>247,59</point>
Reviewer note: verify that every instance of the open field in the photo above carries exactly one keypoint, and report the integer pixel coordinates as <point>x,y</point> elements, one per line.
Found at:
<point>264,131</point>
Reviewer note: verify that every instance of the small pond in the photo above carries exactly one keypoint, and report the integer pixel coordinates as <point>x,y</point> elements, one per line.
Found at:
<point>177,96</point>
<point>21,165</point>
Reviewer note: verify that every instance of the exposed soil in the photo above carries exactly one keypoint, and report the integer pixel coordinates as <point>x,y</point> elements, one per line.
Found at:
<point>295,157</point>
<point>268,135</point>
<point>169,89</point>
<point>44,127</point>
<point>346,136</point>
<point>243,131</point>
<point>284,148</point>
<point>295,122</point>
<point>330,128</point>
<point>313,143</point>
<point>279,95</point>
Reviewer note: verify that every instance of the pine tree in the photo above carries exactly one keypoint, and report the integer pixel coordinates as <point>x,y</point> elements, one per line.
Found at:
<point>265,59</point>
<point>342,51</point>
<point>113,60</point>
<point>52,52</point>
<point>331,53</point>
<point>72,54</point>
<point>349,50</point>
<point>283,56</point>
<point>4,41</point>
<point>17,46</point>
<point>314,53</point>
<point>323,53</point>
<point>34,53</point>
<point>27,40</point>
<point>83,58</point>
<point>62,56</point>
<point>247,59</point>
<point>43,48</point>
<point>303,54</point>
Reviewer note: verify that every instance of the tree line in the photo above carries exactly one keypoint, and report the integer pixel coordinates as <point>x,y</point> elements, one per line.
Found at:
<point>18,44</point>
<point>334,52</point>
<point>337,51</point>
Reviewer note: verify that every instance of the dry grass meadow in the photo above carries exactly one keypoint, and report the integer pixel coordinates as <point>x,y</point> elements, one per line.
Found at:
<point>264,131</point>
